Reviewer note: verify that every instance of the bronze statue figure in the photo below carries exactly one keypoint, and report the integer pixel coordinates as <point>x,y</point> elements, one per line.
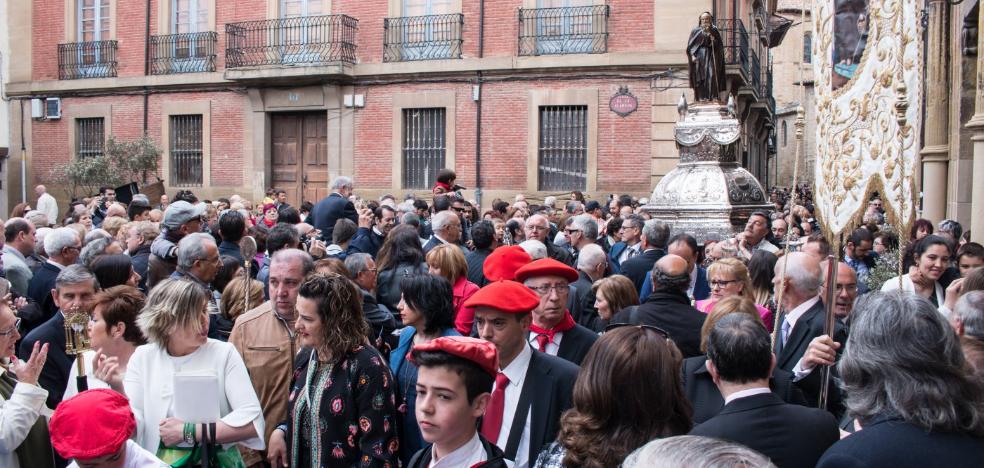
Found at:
<point>705,58</point>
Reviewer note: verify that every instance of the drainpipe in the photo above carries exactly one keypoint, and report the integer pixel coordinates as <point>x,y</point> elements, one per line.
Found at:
<point>478,107</point>
<point>146,97</point>
<point>23,168</point>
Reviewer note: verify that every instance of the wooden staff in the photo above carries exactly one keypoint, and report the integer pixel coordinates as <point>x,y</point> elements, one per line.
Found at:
<point>830,286</point>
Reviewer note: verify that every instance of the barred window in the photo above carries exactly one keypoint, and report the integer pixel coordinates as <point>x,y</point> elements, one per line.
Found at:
<point>563,148</point>
<point>186,150</point>
<point>424,146</point>
<point>808,47</point>
<point>90,135</point>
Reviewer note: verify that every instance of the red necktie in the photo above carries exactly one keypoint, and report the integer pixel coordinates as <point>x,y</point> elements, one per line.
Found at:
<point>492,422</point>
<point>541,341</point>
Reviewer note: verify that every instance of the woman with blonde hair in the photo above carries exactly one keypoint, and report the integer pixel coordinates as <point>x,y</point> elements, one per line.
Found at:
<point>448,261</point>
<point>729,277</point>
<point>699,388</point>
<point>233,302</point>
<point>613,294</point>
<point>175,322</point>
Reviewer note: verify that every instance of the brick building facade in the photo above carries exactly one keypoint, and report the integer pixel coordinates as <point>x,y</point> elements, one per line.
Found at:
<point>242,95</point>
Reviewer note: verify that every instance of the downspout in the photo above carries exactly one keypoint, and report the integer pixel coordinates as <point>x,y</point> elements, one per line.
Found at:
<point>23,168</point>
<point>478,106</point>
<point>146,97</point>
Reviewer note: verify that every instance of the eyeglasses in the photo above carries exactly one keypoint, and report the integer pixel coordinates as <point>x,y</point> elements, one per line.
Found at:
<point>656,329</point>
<point>12,329</point>
<point>628,227</point>
<point>571,232</point>
<point>546,288</point>
<point>459,210</point>
<point>721,283</point>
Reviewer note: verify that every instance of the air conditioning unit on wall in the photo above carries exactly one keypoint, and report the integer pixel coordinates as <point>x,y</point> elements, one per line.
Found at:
<point>37,108</point>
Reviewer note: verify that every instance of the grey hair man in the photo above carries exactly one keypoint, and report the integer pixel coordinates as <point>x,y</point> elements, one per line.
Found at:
<point>265,338</point>
<point>592,263</point>
<point>18,244</point>
<point>447,230</point>
<point>655,235</point>
<point>968,315</point>
<point>582,231</point>
<point>535,248</point>
<point>801,344</point>
<point>37,218</point>
<point>538,228</point>
<point>199,261</point>
<point>686,451</point>
<point>74,290</point>
<point>180,219</point>
<point>362,271</point>
<point>63,247</point>
<point>335,206</point>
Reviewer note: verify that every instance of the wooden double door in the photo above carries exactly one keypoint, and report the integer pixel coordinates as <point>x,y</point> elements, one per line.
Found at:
<point>300,155</point>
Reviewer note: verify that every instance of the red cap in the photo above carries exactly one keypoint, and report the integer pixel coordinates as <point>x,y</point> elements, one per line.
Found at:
<point>92,424</point>
<point>546,267</point>
<point>480,352</point>
<point>506,296</point>
<point>503,262</point>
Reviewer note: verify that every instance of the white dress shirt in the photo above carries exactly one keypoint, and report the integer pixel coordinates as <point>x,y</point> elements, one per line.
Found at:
<point>625,253</point>
<point>465,456</point>
<point>48,206</point>
<point>746,393</point>
<point>908,286</point>
<point>552,347</point>
<point>516,372</point>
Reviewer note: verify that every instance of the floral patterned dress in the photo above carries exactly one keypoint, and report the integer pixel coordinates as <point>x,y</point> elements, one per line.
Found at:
<point>342,413</point>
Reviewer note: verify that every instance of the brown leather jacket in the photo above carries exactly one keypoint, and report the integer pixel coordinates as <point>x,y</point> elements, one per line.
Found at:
<point>267,344</point>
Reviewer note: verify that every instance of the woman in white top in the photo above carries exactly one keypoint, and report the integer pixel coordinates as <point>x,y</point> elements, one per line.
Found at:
<point>175,323</point>
<point>931,257</point>
<point>113,336</point>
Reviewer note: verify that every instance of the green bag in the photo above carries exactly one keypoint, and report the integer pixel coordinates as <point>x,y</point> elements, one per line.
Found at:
<point>189,457</point>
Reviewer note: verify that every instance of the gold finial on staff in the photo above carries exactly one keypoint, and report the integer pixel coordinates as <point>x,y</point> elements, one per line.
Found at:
<point>77,342</point>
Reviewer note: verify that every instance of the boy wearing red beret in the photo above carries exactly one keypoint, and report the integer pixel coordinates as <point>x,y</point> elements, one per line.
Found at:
<point>454,385</point>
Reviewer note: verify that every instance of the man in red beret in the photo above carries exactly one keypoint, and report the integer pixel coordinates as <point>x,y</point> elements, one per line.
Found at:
<point>554,330</point>
<point>94,428</point>
<point>532,389</point>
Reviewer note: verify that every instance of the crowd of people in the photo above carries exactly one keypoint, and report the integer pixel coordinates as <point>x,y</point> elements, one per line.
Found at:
<point>429,332</point>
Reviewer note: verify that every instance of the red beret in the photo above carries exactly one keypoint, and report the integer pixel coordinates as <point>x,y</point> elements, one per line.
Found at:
<point>546,267</point>
<point>92,424</point>
<point>507,296</point>
<point>480,352</point>
<point>503,262</point>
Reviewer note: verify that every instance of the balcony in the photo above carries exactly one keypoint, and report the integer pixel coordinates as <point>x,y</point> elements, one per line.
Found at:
<point>93,59</point>
<point>297,41</point>
<point>756,74</point>
<point>568,30</point>
<point>183,53</point>
<point>735,39</point>
<point>431,37</point>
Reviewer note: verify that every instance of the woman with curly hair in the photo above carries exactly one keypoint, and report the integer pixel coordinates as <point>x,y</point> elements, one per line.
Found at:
<point>600,431</point>
<point>341,409</point>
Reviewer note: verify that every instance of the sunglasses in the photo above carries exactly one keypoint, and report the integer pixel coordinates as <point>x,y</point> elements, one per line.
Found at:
<point>656,329</point>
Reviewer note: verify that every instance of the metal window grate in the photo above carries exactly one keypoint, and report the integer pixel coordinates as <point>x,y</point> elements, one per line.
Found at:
<point>428,37</point>
<point>90,136</point>
<point>183,53</point>
<point>563,148</point>
<point>94,59</point>
<point>424,146</point>
<point>565,30</point>
<point>186,150</point>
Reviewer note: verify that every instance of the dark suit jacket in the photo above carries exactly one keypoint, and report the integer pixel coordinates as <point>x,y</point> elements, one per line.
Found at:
<point>547,393</point>
<point>614,253</point>
<point>329,210</point>
<point>706,399</point>
<point>809,326</point>
<point>791,435</point>
<point>576,343</point>
<point>40,290</point>
<point>365,241</point>
<point>434,242</point>
<point>140,263</point>
<point>702,289</point>
<point>892,443</point>
<point>639,267</point>
<point>672,312</point>
<point>54,375</point>
<point>475,260</point>
<point>560,254</point>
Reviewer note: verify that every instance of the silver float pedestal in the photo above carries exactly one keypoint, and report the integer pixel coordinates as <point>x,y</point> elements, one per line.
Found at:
<point>708,193</point>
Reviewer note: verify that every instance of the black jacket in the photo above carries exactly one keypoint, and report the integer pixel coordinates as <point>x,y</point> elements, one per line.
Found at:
<point>582,288</point>
<point>559,253</point>
<point>40,290</point>
<point>706,399</point>
<point>329,210</point>
<point>640,266</point>
<point>671,311</point>
<point>388,283</point>
<point>475,260</point>
<point>891,443</point>
<point>809,326</point>
<point>54,374</point>
<point>576,343</point>
<point>493,454</point>
<point>790,435</point>
<point>140,260</point>
<point>365,241</point>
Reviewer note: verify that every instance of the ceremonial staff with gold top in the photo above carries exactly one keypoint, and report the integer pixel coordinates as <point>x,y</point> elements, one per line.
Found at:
<point>77,342</point>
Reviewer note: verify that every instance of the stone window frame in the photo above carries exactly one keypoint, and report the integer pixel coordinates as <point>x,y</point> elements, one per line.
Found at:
<point>424,99</point>
<point>203,108</point>
<point>561,97</point>
<point>87,111</point>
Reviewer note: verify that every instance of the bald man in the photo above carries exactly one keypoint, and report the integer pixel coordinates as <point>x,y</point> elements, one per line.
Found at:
<point>46,204</point>
<point>668,306</point>
<point>845,289</point>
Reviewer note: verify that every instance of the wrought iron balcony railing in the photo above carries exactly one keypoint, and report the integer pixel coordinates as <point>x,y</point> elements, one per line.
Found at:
<point>735,39</point>
<point>756,73</point>
<point>301,40</point>
<point>183,53</point>
<point>567,30</point>
<point>428,37</point>
<point>93,59</point>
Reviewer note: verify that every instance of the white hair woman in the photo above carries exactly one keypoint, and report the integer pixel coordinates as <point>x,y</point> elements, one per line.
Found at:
<point>175,322</point>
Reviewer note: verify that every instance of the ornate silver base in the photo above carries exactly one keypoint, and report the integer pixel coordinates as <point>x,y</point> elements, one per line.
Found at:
<point>708,192</point>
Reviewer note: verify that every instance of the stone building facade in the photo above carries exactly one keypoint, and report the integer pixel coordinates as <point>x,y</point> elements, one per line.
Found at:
<point>793,77</point>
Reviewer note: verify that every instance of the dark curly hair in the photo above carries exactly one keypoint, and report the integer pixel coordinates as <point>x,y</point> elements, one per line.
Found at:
<point>343,326</point>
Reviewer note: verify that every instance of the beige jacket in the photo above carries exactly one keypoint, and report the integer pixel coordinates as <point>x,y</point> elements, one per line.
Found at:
<point>267,345</point>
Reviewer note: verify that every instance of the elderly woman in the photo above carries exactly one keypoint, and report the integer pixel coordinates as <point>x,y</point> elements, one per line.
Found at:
<point>113,335</point>
<point>447,261</point>
<point>906,383</point>
<point>175,322</point>
<point>341,409</point>
<point>427,312</point>
<point>24,440</point>
<point>729,277</point>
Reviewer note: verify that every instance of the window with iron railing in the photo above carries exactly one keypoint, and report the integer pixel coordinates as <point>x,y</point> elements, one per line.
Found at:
<point>291,40</point>
<point>424,146</point>
<point>563,148</point>
<point>427,37</point>
<point>90,137</point>
<point>186,150</point>
<point>735,38</point>
<point>183,53</point>
<point>565,27</point>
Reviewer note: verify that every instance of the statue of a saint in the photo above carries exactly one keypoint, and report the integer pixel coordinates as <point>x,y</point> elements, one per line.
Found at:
<point>705,58</point>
